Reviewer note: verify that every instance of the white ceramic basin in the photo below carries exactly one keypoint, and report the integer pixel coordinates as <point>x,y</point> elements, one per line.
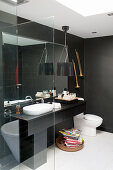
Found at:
<point>37,109</point>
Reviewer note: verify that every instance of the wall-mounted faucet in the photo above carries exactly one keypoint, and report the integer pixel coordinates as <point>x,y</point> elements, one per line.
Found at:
<point>28,97</point>
<point>7,113</point>
<point>18,85</point>
<point>42,100</point>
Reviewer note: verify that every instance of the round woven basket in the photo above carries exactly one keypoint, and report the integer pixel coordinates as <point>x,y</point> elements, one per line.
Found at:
<point>65,148</point>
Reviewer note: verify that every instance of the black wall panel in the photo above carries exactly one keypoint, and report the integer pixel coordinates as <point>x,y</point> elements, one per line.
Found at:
<point>38,31</point>
<point>99,79</point>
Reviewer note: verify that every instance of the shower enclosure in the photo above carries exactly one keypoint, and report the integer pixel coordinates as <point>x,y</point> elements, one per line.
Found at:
<point>27,68</point>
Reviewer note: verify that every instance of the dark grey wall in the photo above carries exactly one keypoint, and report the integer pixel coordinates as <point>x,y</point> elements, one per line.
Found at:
<point>7,87</point>
<point>38,31</point>
<point>99,79</point>
<point>76,43</point>
<point>3,148</point>
<point>10,59</point>
<point>46,33</point>
<point>73,42</point>
<point>32,81</point>
<point>1,76</point>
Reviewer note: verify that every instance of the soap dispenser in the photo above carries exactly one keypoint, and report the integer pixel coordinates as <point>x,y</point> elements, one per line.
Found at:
<point>54,92</point>
<point>18,109</point>
<point>65,92</point>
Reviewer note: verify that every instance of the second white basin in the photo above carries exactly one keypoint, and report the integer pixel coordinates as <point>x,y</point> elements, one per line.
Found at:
<point>37,109</point>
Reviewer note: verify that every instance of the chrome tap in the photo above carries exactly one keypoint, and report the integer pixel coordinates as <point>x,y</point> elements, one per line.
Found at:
<point>42,100</point>
<point>28,97</point>
<point>7,113</point>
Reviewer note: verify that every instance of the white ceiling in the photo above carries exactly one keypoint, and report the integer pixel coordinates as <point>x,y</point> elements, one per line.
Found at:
<point>79,25</point>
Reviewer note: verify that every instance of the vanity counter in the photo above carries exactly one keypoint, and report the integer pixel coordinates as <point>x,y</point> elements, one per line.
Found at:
<point>64,107</point>
<point>38,123</point>
<point>33,131</point>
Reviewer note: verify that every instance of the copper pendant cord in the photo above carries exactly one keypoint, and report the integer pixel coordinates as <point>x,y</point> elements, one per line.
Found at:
<point>79,64</point>
<point>76,86</point>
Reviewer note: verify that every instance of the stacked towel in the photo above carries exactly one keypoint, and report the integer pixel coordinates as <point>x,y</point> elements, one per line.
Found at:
<point>71,138</point>
<point>56,105</point>
<point>79,98</point>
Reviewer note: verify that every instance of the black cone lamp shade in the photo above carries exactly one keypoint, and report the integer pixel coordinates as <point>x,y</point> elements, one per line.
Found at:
<point>65,68</point>
<point>45,68</point>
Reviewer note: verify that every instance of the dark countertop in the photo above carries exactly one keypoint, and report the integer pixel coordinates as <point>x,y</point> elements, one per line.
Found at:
<point>56,111</point>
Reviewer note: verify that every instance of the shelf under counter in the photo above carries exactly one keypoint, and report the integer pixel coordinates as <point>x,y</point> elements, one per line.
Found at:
<point>44,121</point>
<point>33,132</point>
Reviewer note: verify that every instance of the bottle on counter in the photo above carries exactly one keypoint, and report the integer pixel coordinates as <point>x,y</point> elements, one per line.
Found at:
<point>65,92</point>
<point>54,92</point>
<point>18,109</point>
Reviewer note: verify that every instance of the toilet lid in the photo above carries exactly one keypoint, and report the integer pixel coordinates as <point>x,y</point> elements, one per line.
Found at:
<point>93,117</point>
<point>11,128</point>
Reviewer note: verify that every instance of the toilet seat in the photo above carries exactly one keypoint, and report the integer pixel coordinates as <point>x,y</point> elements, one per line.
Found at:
<point>92,117</point>
<point>10,133</point>
<point>87,123</point>
<point>10,128</point>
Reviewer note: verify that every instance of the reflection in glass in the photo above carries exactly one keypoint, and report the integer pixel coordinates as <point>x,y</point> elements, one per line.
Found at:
<point>45,68</point>
<point>65,68</point>
<point>21,57</point>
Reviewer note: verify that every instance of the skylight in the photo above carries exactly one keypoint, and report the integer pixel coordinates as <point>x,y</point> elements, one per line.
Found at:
<point>15,2</point>
<point>88,7</point>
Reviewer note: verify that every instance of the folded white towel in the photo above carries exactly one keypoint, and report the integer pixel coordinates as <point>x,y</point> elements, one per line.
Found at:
<point>39,94</point>
<point>79,98</point>
<point>56,105</point>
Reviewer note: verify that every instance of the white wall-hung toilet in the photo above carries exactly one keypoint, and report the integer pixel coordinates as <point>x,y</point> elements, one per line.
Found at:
<point>87,123</point>
<point>10,133</point>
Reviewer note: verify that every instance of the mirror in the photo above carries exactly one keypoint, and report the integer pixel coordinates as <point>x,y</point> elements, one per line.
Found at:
<point>21,58</point>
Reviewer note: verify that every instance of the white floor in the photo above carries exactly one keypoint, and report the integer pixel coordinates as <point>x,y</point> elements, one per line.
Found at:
<point>97,154</point>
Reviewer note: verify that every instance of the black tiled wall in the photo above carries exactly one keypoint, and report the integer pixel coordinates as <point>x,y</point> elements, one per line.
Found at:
<point>38,31</point>
<point>32,81</point>
<point>10,59</point>
<point>98,79</point>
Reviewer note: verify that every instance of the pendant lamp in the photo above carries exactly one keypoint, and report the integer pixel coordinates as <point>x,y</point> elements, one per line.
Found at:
<point>65,68</point>
<point>45,68</point>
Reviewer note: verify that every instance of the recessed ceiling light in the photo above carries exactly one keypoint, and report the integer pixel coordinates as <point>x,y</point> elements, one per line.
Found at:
<point>88,7</point>
<point>94,32</point>
<point>110,14</point>
<point>15,2</point>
